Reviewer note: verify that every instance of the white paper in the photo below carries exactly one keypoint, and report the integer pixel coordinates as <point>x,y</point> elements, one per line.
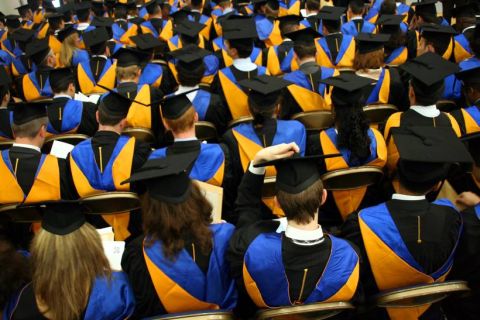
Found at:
<point>106,234</point>
<point>114,251</point>
<point>214,195</point>
<point>92,98</point>
<point>61,149</point>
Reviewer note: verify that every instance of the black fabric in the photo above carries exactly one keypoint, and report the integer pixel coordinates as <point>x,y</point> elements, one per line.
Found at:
<point>334,42</point>
<point>88,124</point>
<point>27,308</point>
<point>96,65</point>
<point>5,126</point>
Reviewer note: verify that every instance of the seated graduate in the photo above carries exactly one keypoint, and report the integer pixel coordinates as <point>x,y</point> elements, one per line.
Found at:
<point>104,161</point>
<point>55,23</point>
<point>155,23</point>
<point>7,42</point>
<point>21,64</point>
<point>265,13</point>
<point>196,9</point>
<point>398,49</point>
<point>465,25</point>
<point>71,53</point>
<point>354,139</point>
<point>122,28</point>
<point>190,68</point>
<point>425,89</point>
<point>83,13</point>
<point>26,14</point>
<point>311,18</point>
<point>239,36</point>
<point>72,278</point>
<point>179,265</point>
<point>35,85</point>
<point>369,63</point>
<point>356,23</point>
<point>223,9</point>
<point>284,263</point>
<point>335,49</point>
<point>65,114</point>
<point>187,32</point>
<point>407,240</point>
<point>307,92</point>
<point>426,12</point>
<point>6,113</point>
<point>468,118</point>
<point>98,74</point>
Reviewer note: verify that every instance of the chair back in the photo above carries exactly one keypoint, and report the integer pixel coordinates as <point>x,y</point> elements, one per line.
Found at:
<point>142,134</point>
<point>238,121</point>
<point>320,310</point>
<point>420,295</point>
<point>111,202</point>
<point>205,130</point>
<point>315,120</point>
<point>378,113</point>
<point>351,178</point>
<point>197,315</point>
<point>446,105</point>
<point>70,138</point>
<point>7,144</point>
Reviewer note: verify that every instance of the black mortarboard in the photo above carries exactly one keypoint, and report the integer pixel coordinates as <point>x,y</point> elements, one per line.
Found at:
<point>147,42</point>
<point>289,19</point>
<point>390,23</point>
<point>102,22</point>
<point>38,50</point>
<point>331,13</point>
<point>368,42</point>
<point>23,9</point>
<point>175,105</point>
<point>66,32</point>
<point>24,112</point>
<point>95,37</point>
<point>150,6</point>
<point>115,103</point>
<point>347,88</point>
<point>62,217</point>
<point>166,178</point>
<point>468,9</point>
<point>239,28</point>
<point>425,152</point>
<point>127,57</point>
<point>429,68</point>
<point>296,174</point>
<point>180,15</point>
<point>470,76</point>
<point>264,90</point>
<point>426,7</point>
<point>59,76</point>
<point>190,54</point>
<point>2,16</point>
<point>82,7</point>
<point>137,20</point>
<point>432,31</point>
<point>54,16</point>
<point>189,28</point>
<point>23,35</point>
<point>304,36</point>
<point>5,79</point>
<point>12,21</point>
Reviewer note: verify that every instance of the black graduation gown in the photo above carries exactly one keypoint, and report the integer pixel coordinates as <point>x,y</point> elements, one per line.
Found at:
<point>5,125</point>
<point>217,113</point>
<point>88,123</point>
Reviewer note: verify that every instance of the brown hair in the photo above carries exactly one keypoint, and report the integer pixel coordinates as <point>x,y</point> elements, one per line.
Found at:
<point>106,118</point>
<point>301,207</point>
<point>369,60</point>
<point>68,49</point>
<point>170,223</point>
<point>29,129</point>
<point>127,72</point>
<point>185,122</point>
<point>65,268</point>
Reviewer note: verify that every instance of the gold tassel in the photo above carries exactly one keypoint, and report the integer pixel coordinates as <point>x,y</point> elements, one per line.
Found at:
<point>101,158</point>
<point>193,253</point>
<point>16,166</point>
<point>419,240</point>
<point>299,300</point>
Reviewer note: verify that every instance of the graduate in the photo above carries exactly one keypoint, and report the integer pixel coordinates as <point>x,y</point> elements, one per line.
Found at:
<point>26,14</point>
<point>426,12</point>
<point>21,64</point>
<point>426,87</point>
<point>190,71</point>
<point>468,118</point>
<point>99,73</point>
<point>238,35</point>
<point>179,265</point>
<point>122,28</point>
<point>6,112</point>
<point>187,32</point>
<point>35,85</point>
<point>334,50</point>
<point>285,263</point>
<point>224,8</point>
<point>465,24</point>
<point>155,23</point>
<point>352,137</point>
<point>369,63</point>
<point>408,241</point>
<point>101,163</point>
<point>266,11</point>
<point>197,16</point>
<point>144,111</point>
<point>246,139</point>
<point>307,92</point>
<point>54,24</point>
<point>71,52</point>
<point>311,18</point>
<point>82,11</point>
<point>65,114</point>
<point>356,22</point>
<point>76,282</point>
<point>7,42</point>
<point>402,44</point>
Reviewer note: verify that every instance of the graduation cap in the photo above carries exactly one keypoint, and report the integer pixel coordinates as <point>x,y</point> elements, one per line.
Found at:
<point>137,20</point>
<point>180,15</point>
<point>59,76</point>
<point>5,79</point>
<point>235,28</point>
<point>38,50</point>
<point>127,57</point>
<point>166,178</point>
<point>22,10</point>
<point>390,23</point>
<point>467,9</point>
<point>102,22</point>
<point>264,90</point>
<point>97,36</point>
<point>54,16</point>
<point>426,7</point>
<point>331,13</point>
<point>62,217</point>
<point>66,32</point>
<point>437,33</point>
<point>12,21</point>
<point>189,28</point>
<point>290,19</point>
<point>296,174</point>
<point>82,7</point>
<point>426,152</point>
<point>368,42</point>
<point>23,35</point>
<point>190,55</point>
<point>304,36</point>
<point>25,112</point>
<point>348,89</point>
<point>175,105</point>
<point>470,76</point>
<point>150,6</point>
<point>147,42</point>
<point>115,103</point>
<point>2,16</point>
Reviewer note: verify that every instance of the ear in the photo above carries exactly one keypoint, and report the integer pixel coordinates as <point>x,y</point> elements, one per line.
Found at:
<point>42,133</point>
<point>196,117</point>
<point>123,123</point>
<point>97,117</point>
<point>324,196</point>
<point>165,125</point>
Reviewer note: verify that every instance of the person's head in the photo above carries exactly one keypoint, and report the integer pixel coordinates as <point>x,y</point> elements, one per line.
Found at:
<point>69,46</point>
<point>64,272</point>
<point>96,41</point>
<point>388,7</point>
<point>30,123</point>
<point>425,95</point>
<point>196,4</point>
<point>269,8</point>
<point>128,64</point>
<point>425,12</point>
<point>179,116</point>
<point>15,272</point>
<point>112,112</point>
<point>368,60</point>
<point>356,8</point>
<point>238,35</point>
<point>25,12</point>
<point>475,42</point>
<point>62,81</point>
<point>288,24</point>
<point>189,75</point>
<point>471,84</point>
<point>120,12</point>
<point>83,12</point>
<point>4,95</point>
<point>415,187</point>
<point>128,74</point>
<point>239,48</point>
<point>312,6</point>
<point>41,54</point>
<point>435,38</point>
<point>304,44</point>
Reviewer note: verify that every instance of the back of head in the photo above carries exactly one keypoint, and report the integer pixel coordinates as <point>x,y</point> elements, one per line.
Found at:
<point>244,47</point>
<point>312,5</point>
<point>190,75</point>
<point>183,123</point>
<point>356,6</point>
<point>388,7</point>
<point>368,60</point>
<point>427,95</point>
<point>120,12</point>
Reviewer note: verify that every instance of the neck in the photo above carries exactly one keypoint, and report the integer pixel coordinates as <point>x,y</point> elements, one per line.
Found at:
<point>306,59</point>
<point>129,80</point>
<point>116,129</point>
<point>33,142</point>
<point>312,225</point>
<point>404,191</point>
<point>65,94</point>
<point>185,134</point>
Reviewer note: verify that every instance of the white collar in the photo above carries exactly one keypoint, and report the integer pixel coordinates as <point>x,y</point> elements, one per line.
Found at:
<point>468,28</point>
<point>311,14</point>
<point>404,197</point>
<point>244,64</point>
<point>287,40</point>
<point>100,56</point>
<point>195,10</point>
<point>427,111</point>
<point>121,19</point>
<point>185,139</point>
<point>304,237</point>
<point>82,26</point>
<point>227,10</point>
<point>62,96</point>
<point>356,18</point>
<point>27,146</point>
<point>181,89</point>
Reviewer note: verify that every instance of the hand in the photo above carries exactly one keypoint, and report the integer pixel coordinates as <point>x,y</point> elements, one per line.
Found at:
<point>467,199</point>
<point>278,151</point>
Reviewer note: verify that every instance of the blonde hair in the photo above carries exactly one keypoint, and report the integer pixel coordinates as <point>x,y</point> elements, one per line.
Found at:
<point>127,72</point>
<point>29,129</point>
<point>68,49</point>
<point>65,268</point>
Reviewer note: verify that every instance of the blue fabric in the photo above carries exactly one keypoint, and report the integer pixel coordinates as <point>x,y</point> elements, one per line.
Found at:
<point>71,116</point>
<point>477,211</point>
<point>300,79</point>
<point>17,62</point>
<point>469,63</point>
<point>474,113</point>
<point>263,260</point>
<point>462,41</point>
<point>46,91</point>
<point>143,13</point>
<point>88,70</point>
<point>214,287</point>
<point>118,31</point>
<point>227,72</point>
<point>333,136</point>
<point>286,64</point>
<point>346,40</point>
<point>403,9</point>
<point>350,28</point>
<point>453,88</point>
<point>444,22</point>
<point>15,50</point>
<point>149,25</point>
<point>219,42</point>
<point>291,3</point>
<point>395,53</point>
<point>201,102</point>
<point>287,131</point>
<point>80,56</point>
<point>6,160</point>
<point>264,26</point>
<point>150,74</point>
<point>3,134</point>
<point>212,64</point>
<point>6,59</point>
<point>373,97</point>
<point>84,157</point>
